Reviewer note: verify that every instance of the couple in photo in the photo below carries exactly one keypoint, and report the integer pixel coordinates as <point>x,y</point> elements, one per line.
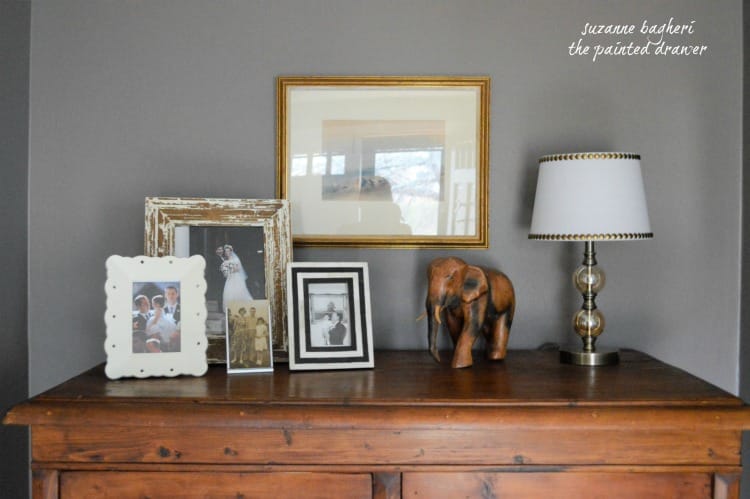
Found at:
<point>156,322</point>
<point>333,333</point>
<point>235,287</point>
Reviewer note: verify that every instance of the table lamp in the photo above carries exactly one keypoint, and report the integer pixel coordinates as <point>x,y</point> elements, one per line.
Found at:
<point>590,196</point>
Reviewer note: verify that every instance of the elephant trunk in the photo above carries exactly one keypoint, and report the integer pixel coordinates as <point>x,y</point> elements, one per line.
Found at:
<point>434,324</point>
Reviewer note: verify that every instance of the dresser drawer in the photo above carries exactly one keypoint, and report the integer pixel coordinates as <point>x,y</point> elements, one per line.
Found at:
<point>155,485</point>
<point>573,485</point>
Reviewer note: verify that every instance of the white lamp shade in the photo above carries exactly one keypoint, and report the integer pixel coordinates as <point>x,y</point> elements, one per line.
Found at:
<point>591,197</point>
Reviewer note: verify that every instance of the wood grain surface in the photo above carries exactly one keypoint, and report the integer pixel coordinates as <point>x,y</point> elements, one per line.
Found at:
<point>408,428</point>
<point>76,485</point>
<point>525,378</point>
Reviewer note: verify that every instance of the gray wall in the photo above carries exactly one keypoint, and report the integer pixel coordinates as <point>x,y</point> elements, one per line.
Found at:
<point>744,378</point>
<point>745,295</point>
<point>14,118</point>
<point>164,97</point>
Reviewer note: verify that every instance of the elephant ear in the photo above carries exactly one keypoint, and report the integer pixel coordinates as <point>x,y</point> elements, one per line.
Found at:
<point>475,284</point>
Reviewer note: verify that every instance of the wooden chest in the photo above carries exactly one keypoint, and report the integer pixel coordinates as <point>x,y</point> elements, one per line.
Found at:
<point>524,427</point>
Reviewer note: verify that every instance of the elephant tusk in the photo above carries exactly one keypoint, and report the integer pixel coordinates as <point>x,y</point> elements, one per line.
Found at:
<point>437,314</point>
<point>421,316</point>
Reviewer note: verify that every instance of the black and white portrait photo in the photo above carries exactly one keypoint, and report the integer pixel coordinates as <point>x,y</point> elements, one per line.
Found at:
<point>329,314</point>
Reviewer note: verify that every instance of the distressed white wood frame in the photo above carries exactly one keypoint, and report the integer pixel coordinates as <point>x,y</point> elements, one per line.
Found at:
<point>164,214</point>
<point>122,272</point>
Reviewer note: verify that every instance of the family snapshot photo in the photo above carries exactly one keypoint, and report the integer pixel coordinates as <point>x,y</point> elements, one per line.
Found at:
<point>248,326</point>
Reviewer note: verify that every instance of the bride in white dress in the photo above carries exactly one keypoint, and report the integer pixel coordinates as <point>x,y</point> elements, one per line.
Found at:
<point>235,288</point>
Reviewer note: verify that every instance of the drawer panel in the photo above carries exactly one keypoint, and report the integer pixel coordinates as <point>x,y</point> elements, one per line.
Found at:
<point>155,485</point>
<point>573,485</point>
<point>504,445</point>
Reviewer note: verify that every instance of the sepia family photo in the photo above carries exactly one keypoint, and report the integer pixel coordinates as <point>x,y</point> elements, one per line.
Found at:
<point>249,336</point>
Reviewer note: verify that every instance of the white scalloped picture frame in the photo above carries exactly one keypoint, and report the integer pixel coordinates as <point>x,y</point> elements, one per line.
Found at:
<point>122,273</point>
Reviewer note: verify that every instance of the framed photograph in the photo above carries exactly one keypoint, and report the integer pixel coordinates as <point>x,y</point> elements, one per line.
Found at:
<point>249,337</point>
<point>329,314</point>
<point>247,246</point>
<point>384,161</point>
<point>156,316</point>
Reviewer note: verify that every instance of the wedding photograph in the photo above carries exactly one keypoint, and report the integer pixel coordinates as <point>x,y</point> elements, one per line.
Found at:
<point>156,317</point>
<point>235,268</point>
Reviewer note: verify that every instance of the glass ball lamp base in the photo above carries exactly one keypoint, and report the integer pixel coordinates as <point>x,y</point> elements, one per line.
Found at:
<point>589,321</point>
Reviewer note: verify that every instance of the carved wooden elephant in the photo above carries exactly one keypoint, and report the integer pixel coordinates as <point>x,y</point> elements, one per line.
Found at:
<point>468,300</point>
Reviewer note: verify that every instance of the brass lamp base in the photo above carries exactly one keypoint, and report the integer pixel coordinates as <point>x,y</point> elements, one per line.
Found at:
<point>602,358</point>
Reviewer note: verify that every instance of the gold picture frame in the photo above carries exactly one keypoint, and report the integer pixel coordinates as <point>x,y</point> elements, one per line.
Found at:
<point>257,232</point>
<point>385,161</point>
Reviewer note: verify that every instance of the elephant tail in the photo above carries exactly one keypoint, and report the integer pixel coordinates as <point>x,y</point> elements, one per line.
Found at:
<point>511,309</point>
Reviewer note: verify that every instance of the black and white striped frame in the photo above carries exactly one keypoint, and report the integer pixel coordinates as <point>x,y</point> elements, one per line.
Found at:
<point>305,353</point>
